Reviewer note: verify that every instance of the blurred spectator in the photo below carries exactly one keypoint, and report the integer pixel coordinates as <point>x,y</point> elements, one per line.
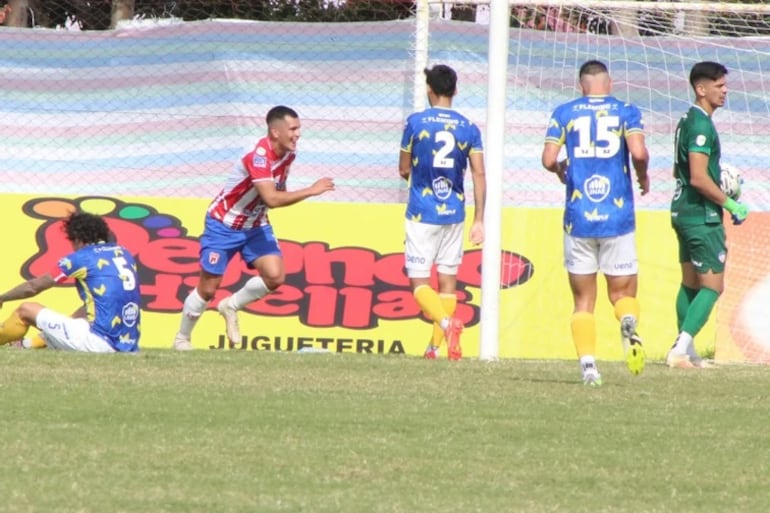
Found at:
<point>4,12</point>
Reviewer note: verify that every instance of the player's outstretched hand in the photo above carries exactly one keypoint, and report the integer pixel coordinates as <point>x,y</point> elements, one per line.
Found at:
<point>322,185</point>
<point>477,233</point>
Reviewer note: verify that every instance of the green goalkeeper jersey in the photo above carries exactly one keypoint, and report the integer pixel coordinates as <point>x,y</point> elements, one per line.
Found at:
<point>694,133</point>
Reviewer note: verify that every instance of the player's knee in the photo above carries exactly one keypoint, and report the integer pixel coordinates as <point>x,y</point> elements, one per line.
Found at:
<point>28,311</point>
<point>274,281</point>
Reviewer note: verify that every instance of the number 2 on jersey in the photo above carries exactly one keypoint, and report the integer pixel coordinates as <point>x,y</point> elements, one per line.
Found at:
<point>606,127</point>
<point>447,141</point>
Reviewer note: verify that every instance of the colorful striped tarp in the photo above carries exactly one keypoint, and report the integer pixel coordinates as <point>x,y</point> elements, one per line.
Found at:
<point>166,108</point>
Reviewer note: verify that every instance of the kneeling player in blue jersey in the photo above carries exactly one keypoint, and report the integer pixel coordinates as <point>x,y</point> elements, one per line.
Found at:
<point>106,279</point>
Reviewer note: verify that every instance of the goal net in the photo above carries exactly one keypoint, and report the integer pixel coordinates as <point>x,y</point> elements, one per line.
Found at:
<point>650,48</point>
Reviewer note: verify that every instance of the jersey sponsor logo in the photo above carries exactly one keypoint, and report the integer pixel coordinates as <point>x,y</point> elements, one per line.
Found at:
<point>130,314</point>
<point>258,161</point>
<point>624,266</point>
<point>597,188</point>
<point>595,217</point>
<point>700,140</point>
<point>442,188</point>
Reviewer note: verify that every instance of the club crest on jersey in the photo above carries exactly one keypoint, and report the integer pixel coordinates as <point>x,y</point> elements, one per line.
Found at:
<point>597,188</point>
<point>213,258</point>
<point>442,188</point>
<point>130,314</point>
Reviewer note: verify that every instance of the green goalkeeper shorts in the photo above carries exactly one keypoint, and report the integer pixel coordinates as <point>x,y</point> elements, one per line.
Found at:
<point>703,246</point>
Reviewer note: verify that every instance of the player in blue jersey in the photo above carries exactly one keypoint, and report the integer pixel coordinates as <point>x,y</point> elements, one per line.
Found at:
<point>106,280</point>
<point>599,133</point>
<point>436,146</point>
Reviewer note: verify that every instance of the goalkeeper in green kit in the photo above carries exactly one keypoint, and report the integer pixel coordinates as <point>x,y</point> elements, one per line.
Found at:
<point>696,212</point>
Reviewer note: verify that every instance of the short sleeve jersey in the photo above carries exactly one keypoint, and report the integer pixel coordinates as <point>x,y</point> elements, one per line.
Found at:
<point>440,141</point>
<point>599,194</point>
<point>238,205</point>
<point>106,279</point>
<point>695,133</point>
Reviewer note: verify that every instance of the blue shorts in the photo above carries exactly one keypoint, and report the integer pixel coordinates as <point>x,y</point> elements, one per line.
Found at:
<point>219,243</point>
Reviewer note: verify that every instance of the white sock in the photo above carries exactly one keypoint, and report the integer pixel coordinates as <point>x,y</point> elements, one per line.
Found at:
<point>587,361</point>
<point>692,353</point>
<point>683,341</point>
<point>194,306</point>
<point>252,290</point>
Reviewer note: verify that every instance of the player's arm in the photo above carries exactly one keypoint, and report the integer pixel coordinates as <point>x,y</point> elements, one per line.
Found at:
<point>640,159</point>
<point>701,181</point>
<point>29,288</point>
<point>550,159</point>
<point>275,198</point>
<point>405,163</point>
<point>479,178</point>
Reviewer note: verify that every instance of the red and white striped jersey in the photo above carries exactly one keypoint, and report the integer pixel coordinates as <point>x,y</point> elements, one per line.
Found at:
<point>238,205</point>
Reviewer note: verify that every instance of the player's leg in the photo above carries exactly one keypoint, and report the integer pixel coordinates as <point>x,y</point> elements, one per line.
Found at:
<point>14,327</point>
<point>420,249</point>
<point>65,333</point>
<point>619,264</point>
<point>449,256</point>
<point>581,261</point>
<point>218,245</point>
<point>704,271</point>
<point>262,253</point>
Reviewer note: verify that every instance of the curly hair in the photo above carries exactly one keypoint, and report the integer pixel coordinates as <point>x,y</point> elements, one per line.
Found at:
<point>86,228</point>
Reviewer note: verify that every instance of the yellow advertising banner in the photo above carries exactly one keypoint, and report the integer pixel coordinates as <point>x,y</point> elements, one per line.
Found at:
<point>346,290</point>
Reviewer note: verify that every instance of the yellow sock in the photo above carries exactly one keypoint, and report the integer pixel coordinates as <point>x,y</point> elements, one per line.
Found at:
<point>36,342</point>
<point>449,302</point>
<point>584,333</point>
<point>12,329</point>
<point>430,302</point>
<point>627,306</point>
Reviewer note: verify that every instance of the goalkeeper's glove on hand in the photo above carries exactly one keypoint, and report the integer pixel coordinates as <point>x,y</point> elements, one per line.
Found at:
<point>738,211</point>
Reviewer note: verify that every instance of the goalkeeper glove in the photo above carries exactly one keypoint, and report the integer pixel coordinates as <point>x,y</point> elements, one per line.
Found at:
<point>738,211</point>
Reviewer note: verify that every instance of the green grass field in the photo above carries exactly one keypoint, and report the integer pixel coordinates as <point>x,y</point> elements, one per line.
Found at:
<point>267,432</point>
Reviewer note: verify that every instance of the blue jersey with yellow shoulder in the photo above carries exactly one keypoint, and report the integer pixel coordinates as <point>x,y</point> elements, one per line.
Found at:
<point>106,279</point>
<point>600,192</point>
<point>440,141</point>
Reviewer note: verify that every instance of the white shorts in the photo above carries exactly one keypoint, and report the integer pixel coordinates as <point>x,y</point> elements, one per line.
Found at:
<point>68,334</point>
<point>427,244</point>
<point>613,256</point>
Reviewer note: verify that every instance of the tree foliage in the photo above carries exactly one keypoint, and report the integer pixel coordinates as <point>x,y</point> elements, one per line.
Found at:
<point>101,14</point>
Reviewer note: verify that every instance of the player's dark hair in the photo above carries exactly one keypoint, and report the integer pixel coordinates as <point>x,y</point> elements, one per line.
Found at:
<point>280,112</point>
<point>707,70</point>
<point>592,67</point>
<point>442,80</point>
<point>86,228</point>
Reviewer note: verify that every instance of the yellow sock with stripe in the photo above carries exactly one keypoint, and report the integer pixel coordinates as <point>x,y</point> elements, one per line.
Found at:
<point>627,306</point>
<point>584,333</point>
<point>12,329</point>
<point>430,302</point>
<point>449,302</point>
